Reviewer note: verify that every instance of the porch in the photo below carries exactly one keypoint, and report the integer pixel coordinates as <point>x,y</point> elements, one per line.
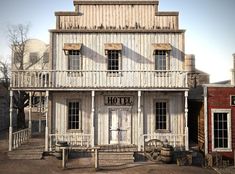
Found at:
<point>57,79</point>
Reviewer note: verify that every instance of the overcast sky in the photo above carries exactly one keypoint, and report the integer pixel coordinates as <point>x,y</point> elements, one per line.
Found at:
<point>209,24</point>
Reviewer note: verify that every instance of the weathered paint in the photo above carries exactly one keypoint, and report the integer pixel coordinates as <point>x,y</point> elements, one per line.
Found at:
<point>137,53</point>
<point>102,119</point>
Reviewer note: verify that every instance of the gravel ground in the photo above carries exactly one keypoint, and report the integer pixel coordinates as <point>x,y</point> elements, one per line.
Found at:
<point>51,165</point>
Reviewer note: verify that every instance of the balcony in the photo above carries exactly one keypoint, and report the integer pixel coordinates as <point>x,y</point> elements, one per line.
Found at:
<point>62,80</point>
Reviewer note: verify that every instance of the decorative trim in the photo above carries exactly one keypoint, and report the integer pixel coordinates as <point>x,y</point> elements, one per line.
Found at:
<point>167,13</point>
<point>228,111</point>
<point>113,46</point>
<point>162,46</point>
<point>115,31</point>
<point>72,46</point>
<point>112,2</point>
<point>67,13</point>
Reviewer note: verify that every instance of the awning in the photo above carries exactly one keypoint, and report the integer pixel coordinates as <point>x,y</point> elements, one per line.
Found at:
<point>72,46</point>
<point>162,46</point>
<point>113,46</point>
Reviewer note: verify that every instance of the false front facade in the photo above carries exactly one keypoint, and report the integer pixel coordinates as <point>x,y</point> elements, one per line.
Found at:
<point>116,76</point>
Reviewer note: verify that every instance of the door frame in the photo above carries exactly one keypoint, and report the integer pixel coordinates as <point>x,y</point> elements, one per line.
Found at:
<point>128,108</point>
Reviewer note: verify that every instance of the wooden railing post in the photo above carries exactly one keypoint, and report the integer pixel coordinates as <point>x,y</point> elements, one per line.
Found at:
<point>46,128</point>
<point>10,126</point>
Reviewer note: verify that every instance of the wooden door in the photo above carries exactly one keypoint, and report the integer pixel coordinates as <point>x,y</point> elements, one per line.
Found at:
<point>120,126</point>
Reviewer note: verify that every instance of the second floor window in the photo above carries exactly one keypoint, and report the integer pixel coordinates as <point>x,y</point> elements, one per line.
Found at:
<point>161,60</point>
<point>161,52</point>
<point>113,60</point>
<point>74,60</point>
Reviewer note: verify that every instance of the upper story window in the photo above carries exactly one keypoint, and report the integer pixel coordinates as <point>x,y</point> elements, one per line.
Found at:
<point>114,58</point>
<point>74,56</point>
<point>162,56</point>
<point>33,57</point>
<point>221,130</point>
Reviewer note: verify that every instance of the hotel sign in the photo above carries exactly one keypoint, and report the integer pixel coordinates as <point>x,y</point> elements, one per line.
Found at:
<point>118,100</point>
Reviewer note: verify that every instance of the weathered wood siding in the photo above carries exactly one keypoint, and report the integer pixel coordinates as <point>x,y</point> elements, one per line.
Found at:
<point>137,53</point>
<point>176,114</point>
<point>60,111</point>
<point>119,17</point>
<point>102,113</point>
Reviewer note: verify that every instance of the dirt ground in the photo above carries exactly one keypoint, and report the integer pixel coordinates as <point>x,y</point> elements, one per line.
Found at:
<point>51,165</point>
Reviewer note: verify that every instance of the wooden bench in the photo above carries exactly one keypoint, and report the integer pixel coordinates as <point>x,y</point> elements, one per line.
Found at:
<point>65,152</point>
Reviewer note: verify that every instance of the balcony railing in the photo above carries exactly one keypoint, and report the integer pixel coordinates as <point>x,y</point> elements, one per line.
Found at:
<point>57,79</point>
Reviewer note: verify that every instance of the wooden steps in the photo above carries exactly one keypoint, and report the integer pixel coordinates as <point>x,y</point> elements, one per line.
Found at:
<point>33,149</point>
<point>115,158</point>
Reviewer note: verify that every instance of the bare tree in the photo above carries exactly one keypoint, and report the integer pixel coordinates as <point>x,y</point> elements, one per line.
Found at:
<point>18,36</point>
<point>4,69</point>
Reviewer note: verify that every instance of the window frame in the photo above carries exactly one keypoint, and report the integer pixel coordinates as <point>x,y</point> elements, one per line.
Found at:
<point>33,57</point>
<point>167,63</point>
<point>167,130</point>
<point>228,112</point>
<point>80,116</point>
<point>69,57</point>
<point>110,71</point>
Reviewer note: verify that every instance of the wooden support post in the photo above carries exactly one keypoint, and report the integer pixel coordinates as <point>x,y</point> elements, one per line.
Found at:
<point>92,118</point>
<point>140,125</point>
<point>96,158</point>
<point>10,126</point>
<point>40,115</point>
<point>64,158</point>
<point>30,114</point>
<point>186,121</point>
<point>46,128</point>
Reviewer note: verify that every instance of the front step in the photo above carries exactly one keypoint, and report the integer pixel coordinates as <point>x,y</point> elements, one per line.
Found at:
<point>115,158</point>
<point>32,150</point>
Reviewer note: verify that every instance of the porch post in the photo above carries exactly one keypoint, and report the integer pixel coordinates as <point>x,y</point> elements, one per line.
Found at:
<point>10,124</point>
<point>46,128</point>
<point>30,114</point>
<point>140,125</point>
<point>92,118</point>
<point>40,111</point>
<point>186,121</point>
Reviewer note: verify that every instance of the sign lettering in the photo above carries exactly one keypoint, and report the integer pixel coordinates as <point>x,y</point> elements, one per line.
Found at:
<point>118,100</point>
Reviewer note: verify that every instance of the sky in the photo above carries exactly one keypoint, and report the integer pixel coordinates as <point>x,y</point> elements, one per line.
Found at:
<point>209,24</point>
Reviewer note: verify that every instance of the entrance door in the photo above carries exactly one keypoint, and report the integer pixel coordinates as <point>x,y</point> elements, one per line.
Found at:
<point>120,126</point>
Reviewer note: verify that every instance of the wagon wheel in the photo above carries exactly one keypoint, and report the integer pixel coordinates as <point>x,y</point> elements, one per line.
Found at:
<point>152,149</point>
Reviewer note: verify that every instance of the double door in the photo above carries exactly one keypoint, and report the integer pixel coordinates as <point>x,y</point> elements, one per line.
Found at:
<point>120,126</point>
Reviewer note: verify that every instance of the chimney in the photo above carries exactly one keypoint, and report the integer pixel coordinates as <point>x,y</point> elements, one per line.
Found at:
<point>189,64</point>
<point>233,71</point>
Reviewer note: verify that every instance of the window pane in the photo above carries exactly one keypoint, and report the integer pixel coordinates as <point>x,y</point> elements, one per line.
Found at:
<point>220,130</point>
<point>73,115</point>
<point>74,60</point>
<point>113,60</point>
<point>160,60</point>
<point>161,115</point>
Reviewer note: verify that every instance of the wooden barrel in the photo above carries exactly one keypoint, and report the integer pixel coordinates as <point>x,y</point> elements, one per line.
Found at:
<point>166,154</point>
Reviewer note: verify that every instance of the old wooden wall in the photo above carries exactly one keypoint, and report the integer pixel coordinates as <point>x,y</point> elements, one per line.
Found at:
<point>176,115</point>
<point>137,53</point>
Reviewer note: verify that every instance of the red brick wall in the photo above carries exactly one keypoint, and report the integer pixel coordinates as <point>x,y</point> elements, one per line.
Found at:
<point>219,98</point>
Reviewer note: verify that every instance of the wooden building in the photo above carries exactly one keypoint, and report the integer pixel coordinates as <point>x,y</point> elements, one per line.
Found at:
<point>116,75</point>
<point>219,117</point>
<point>211,109</point>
